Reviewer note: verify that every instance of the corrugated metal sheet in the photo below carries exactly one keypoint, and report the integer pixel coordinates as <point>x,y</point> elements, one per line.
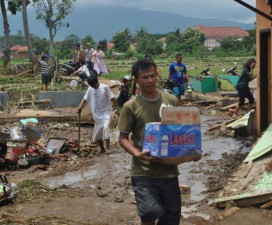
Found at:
<point>263,146</point>
<point>242,122</point>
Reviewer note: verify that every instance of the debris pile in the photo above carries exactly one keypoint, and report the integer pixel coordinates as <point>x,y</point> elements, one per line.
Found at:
<point>8,191</point>
<point>23,146</point>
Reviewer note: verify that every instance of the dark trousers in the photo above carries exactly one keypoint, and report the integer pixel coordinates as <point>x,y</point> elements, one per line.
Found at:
<point>243,94</point>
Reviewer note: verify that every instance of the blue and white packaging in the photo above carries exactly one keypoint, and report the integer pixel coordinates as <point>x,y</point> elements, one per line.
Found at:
<point>175,140</point>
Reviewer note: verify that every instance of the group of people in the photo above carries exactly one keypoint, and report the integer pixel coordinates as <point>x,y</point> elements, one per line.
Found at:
<point>92,59</point>
<point>154,183</point>
<point>86,62</point>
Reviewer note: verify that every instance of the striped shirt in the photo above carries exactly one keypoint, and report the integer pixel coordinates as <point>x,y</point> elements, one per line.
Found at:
<point>44,67</point>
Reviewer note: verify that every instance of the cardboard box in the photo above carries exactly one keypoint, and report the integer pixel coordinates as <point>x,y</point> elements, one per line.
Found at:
<point>180,115</point>
<point>178,136</point>
<point>172,140</point>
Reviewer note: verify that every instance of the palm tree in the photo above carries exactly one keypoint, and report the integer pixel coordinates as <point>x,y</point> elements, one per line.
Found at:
<point>141,33</point>
<point>31,53</point>
<point>6,33</point>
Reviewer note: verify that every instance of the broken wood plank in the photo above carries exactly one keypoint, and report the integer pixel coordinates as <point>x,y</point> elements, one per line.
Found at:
<point>91,145</point>
<point>245,200</point>
<point>248,168</point>
<point>43,101</point>
<point>225,108</point>
<point>221,124</point>
<point>23,73</point>
<point>266,205</point>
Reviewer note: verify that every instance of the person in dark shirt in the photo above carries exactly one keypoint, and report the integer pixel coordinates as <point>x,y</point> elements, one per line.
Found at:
<point>243,88</point>
<point>124,92</point>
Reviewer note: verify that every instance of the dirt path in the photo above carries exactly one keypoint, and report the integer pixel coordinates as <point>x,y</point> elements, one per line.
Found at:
<point>95,190</point>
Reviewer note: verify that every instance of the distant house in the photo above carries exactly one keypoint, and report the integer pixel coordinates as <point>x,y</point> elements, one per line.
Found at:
<point>213,35</point>
<point>14,50</point>
<point>19,51</point>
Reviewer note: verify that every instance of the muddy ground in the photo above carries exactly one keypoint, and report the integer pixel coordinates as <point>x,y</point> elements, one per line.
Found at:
<point>85,188</point>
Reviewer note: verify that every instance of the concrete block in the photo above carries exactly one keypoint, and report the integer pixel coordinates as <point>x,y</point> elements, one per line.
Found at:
<point>62,99</point>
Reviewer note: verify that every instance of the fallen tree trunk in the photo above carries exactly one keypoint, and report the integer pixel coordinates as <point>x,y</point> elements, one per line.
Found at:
<point>23,73</point>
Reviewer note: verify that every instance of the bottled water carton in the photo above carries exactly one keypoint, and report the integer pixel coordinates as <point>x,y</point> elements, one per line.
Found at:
<point>177,136</point>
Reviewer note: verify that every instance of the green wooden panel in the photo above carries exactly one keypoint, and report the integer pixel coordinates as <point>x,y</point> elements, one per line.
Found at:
<point>204,84</point>
<point>228,82</point>
<point>263,146</point>
<point>232,79</point>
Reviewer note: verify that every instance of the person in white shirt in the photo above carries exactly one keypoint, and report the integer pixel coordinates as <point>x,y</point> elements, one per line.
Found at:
<point>101,100</point>
<point>83,71</point>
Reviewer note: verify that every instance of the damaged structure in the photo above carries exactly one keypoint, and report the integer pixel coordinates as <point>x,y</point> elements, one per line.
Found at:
<point>251,184</point>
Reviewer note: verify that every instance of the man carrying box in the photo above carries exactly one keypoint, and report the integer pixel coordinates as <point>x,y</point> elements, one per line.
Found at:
<point>154,183</point>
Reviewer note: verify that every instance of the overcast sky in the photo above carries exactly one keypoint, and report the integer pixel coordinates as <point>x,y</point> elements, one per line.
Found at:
<point>223,9</point>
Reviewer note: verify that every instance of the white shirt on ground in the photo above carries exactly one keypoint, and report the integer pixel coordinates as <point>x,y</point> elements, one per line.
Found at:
<point>84,69</point>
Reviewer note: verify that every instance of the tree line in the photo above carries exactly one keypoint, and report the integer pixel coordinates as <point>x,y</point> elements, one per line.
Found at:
<point>130,43</point>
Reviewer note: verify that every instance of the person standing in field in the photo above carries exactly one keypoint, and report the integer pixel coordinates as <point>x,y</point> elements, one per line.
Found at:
<point>89,54</point>
<point>101,100</point>
<point>243,88</point>
<point>44,73</point>
<point>98,61</point>
<point>78,55</point>
<point>178,74</point>
<point>154,183</point>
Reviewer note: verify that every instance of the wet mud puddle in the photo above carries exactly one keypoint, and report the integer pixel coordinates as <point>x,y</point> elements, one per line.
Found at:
<point>74,179</point>
<point>191,173</point>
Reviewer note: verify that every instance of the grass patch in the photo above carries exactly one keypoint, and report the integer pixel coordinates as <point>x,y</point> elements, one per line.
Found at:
<point>16,85</point>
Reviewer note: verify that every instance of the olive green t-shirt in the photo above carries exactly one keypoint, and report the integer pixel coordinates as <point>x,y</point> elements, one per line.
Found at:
<point>134,115</point>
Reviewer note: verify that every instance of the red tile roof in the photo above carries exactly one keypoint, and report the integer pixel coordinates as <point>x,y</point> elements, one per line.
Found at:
<point>23,49</point>
<point>19,48</point>
<point>15,48</point>
<point>222,32</point>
